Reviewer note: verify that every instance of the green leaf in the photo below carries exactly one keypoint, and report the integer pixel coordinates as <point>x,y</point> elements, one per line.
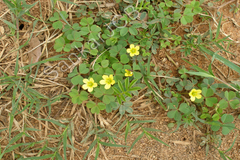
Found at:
<point>120,86</point>
<point>98,92</point>
<point>101,106</point>
<point>234,104</point>
<point>184,108</point>
<point>54,122</point>
<point>57,25</point>
<point>124,58</point>
<point>77,80</point>
<point>211,101</point>
<point>55,17</point>
<point>186,19</point>
<point>230,95</point>
<point>137,75</point>
<point>95,110</point>
<point>207,92</point>
<point>133,31</point>
<point>90,148</point>
<point>107,99</point>
<point>221,59</point>
<point>84,31</point>
<point>215,117</point>
<point>91,104</point>
<point>227,129</point>
<point>83,68</point>
<point>105,63</point>
<point>174,114</point>
<point>227,118</point>
<point>83,96</point>
<point>155,138</point>
<point>94,52</point>
<point>123,31</point>
<point>218,28</point>
<point>223,104</point>
<point>112,145</point>
<point>135,141</point>
<point>95,28</point>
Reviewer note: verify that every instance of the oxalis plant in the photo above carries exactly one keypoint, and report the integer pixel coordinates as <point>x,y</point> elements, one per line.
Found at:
<point>116,63</point>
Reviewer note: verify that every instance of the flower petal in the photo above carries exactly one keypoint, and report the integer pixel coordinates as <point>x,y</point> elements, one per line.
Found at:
<point>112,82</point>
<point>94,84</point>
<point>192,98</point>
<point>107,86</point>
<point>128,50</point>
<point>137,53</point>
<point>199,91</point>
<point>85,86</point>
<point>90,89</point>
<point>131,54</point>
<point>111,76</point>
<point>199,96</point>
<point>104,77</point>
<point>102,82</point>
<point>85,80</point>
<point>91,80</point>
<point>132,46</point>
<point>137,47</point>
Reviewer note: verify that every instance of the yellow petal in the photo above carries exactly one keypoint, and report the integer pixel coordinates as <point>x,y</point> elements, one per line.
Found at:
<point>104,77</point>
<point>94,84</point>
<point>107,86</point>
<point>199,91</point>
<point>85,80</point>
<point>192,98</point>
<point>137,47</point>
<point>132,46</point>
<point>199,96</point>
<point>126,74</point>
<point>85,86</point>
<point>111,76</point>
<point>91,80</point>
<point>193,90</point>
<point>128,50</point>
<point>112,82</point>
<point>102,82</point>
<point>137,53</point>
<point>90,89</point>
<point>131,54</point>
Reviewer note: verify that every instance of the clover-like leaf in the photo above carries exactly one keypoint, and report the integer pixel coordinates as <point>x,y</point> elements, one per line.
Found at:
<point>75,96</point>
<point>223,104</point>
<point>227,118</point>
<point>84,95</point>
<point>211,101</point>
<point>227,128</point>
<point>184,108</point>
<point>83,68</point>
<point>234,103</point>
<point>57,25</point>
<point>55,17</point>
<point>207,92</point>
<point>229,95</point>
<point>77,80</point>
<point>59,44</point>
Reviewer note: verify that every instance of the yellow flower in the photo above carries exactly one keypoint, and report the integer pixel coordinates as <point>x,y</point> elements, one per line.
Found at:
<point>128,73</point>
<point>195,93</point>
<point>89,84</point>
<point>107,80</point>
<point>133,50</point>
